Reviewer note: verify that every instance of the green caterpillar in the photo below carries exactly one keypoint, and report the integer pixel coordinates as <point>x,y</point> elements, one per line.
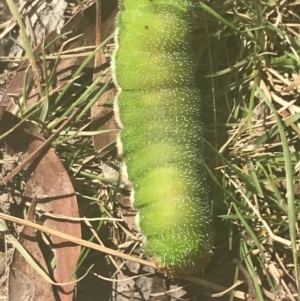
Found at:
<point>157,108</point>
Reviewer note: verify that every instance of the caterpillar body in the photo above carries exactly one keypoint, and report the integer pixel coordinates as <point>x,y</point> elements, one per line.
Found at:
<point>158,110</point>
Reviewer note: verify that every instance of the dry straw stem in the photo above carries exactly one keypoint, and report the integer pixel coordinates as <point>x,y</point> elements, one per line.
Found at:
<point>111,252</point>
<point>12,240</point>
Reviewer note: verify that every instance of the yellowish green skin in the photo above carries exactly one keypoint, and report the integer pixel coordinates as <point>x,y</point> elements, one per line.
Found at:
<point>159,108</point>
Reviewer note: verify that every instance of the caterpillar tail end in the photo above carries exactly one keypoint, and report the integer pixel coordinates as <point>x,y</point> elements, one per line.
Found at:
<point>176,271</point>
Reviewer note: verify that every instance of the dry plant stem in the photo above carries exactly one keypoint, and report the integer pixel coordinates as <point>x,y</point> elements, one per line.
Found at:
<point>288,291</point>
<point>101,243</point>
<point>199,281</point>
<point>237,283</point>
<point>169,292</point>
<point>251,289</point>
<point>128,233</point>
<point>123,263</point>
<point>237,131</point>
<point>37,152</point>
<point>31,210</point>
<point>14,10</point>
<point>213,286</point>
<point>68,218</point>
<point>75,240</point>
<point>118,280</point>
<point>283,267</point>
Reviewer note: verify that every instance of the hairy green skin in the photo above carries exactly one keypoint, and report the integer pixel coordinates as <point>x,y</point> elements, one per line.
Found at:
<point>158,109</point>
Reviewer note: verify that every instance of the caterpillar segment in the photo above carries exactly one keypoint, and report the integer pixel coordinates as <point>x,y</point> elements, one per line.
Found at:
<point>158,110</point>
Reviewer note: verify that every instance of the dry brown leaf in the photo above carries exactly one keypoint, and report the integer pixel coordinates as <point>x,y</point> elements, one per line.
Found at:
<point>47,180</point>
<point>25,283</point>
